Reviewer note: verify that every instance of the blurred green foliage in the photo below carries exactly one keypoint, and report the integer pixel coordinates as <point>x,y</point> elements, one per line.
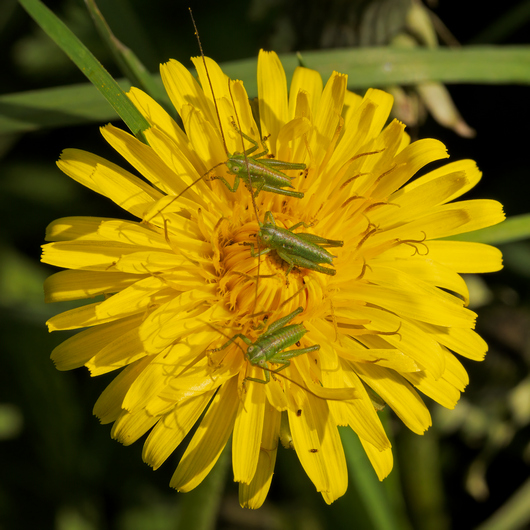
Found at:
<point>60,470</point>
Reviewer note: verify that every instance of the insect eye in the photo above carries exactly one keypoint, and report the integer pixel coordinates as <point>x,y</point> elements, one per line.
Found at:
<point>266,237</point>
<point>250,349</point>
<point>235,169</point>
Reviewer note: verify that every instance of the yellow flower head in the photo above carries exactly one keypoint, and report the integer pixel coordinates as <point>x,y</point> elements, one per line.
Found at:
<point>190,287</point>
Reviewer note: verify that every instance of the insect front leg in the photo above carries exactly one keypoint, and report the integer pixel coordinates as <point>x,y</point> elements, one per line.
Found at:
<point>266,371</point>
<point>269,218</point>
<point>233,188</point>
<point>297,225</point>
<point>255,254</point>
<point>262,381</point>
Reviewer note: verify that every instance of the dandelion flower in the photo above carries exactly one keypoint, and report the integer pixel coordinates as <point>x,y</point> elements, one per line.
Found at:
<point>177,282</point>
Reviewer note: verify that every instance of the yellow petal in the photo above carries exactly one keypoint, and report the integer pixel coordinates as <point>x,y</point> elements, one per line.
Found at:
<point>310,81</point>
<point>468,167</point>
<point>69,228</point>
<point>166,324</point>
<point>126,190</point>
<point>253,495</point>
<point>407,163</point>
<point>398,394</point>
<point>79,349</point>
<point>74,284</point>
<point>414,202</point>
<point>362,417</point>
<point>415,306</point>
<point>119,351</point>
<point>430,226</point>
<point>149,262</point>
<point>135,298</point>
<point>156,115</point>
<point>399,277</point>
<point>169,432</point>
<point>352,101</point>
<point>248,432</point>
<point>182,88</point>
<point>169,364</point>
<point>328,115</point>
<point>272,93</point>
<point>364,121</point>
<point>141,156</point>
<point>183,172</point>
<point>428,270</point>
<point>209,439</point>
<point>317,443</point>
<point>446,390</point>
<point>465,257</point>
<point>382,461</point>
<point>481,213</point>
<point>86,255</point>
<point>276,397</point>
<point>464,341</point>
<point>108,406</point>
<point>80,165</point>
<point>130,426</point>
<point>80,317</point>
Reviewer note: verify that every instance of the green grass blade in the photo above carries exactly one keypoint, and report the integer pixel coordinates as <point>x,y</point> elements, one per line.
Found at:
<point>385,66</point>
<point>514,514</point>
<point>87,63</point>
<point>54,107</point>
<point>505,25</point>
<point>199,508</point>
<point>367,67</point>
<point>513,229</point>
<point>365,481</point>
<point>126,60</point>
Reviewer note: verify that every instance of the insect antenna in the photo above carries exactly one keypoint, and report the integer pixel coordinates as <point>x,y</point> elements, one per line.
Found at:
<point>249,179</point>
<point>338,397</point>
<point>254,205</point>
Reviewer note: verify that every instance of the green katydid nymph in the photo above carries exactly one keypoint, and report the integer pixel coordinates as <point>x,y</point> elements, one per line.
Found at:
<point>259,171</point>
<point>270,347</point>
<point>298,250</point>
<point>264,174</point>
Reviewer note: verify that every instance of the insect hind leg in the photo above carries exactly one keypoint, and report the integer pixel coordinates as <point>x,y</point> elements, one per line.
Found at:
<point>284,357</point>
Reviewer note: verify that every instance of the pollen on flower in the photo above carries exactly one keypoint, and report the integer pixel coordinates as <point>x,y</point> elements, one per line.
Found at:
<point>270,309</point>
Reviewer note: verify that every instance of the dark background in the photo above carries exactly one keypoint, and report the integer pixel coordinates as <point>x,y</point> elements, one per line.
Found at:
<point>59,467</point>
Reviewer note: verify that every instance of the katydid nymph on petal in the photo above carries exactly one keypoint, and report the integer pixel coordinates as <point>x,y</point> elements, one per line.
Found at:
<point>264,174</point>
<point>297,249</point>
<point>270,346</point>
<point>259,171</point>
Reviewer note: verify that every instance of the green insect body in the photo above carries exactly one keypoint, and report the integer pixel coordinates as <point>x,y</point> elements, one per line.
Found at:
<point>264,174</point>
<point>298,250</point>
<point>270,346</point>
<point>258,173</point>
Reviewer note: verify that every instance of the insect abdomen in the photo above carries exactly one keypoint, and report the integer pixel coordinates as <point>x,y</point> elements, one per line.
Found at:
<point>288,336</point>
<point>282,239</point>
